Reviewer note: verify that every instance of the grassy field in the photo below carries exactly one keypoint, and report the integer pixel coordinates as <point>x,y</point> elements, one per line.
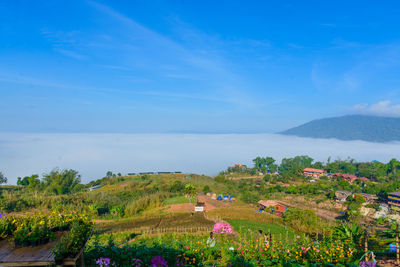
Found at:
<point>176,222</point>
<point>278,232</point>
<point>243,212</point>
<point>178,200</point>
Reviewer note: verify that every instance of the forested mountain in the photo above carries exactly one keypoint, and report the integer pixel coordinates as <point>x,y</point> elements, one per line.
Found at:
<point>351,127</point>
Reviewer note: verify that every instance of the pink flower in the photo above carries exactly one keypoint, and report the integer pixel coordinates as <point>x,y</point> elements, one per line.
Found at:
<point>222,228</point>
<point>298,236</point>
<point>317,250</point>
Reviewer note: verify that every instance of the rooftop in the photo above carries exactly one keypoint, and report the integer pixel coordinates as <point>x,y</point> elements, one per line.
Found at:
<point>313,170</point>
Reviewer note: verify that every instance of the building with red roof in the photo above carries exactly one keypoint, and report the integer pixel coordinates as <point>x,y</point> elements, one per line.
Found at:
<point>311,172</point>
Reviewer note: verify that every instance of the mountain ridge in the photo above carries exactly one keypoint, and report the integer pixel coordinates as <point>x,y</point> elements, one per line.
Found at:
<point>350,127</point>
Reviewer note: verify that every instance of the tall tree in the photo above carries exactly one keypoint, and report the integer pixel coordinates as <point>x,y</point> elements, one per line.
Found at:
<point>3,179</point>
<point>62,181</point>
<point>190,192</point>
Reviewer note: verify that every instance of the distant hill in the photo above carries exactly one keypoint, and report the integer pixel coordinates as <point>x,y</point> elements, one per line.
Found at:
<point>351,127</point>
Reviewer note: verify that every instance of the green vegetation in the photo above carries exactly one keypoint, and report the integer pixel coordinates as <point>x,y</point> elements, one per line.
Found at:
<point>277,231</point>
<point>142,208</point>
<point>178,200</point>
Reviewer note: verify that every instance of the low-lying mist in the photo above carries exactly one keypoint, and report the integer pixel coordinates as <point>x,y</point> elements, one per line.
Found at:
<point>95,154</point>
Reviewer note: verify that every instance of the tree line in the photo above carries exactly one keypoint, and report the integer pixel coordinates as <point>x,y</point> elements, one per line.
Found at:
<point>293,167</point>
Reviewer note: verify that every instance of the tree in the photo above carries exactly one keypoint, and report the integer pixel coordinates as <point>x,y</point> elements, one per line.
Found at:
<point>264,164</point>
<point>206,189</point>
<point>294,166</point>
<point>62,181</point>
<point>190,192</point>
<point>177,186</point>
<point>109,174</point>
<point>30,182</point>
<point>3,179</point>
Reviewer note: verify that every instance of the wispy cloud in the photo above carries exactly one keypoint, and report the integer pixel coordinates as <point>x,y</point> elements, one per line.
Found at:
<point>382,108</point>
<point>365,63</point>
<point>57,85</point>
<point>190,59</point>
<point>65,43</point>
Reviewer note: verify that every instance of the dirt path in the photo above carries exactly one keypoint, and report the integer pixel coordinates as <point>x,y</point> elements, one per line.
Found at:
<point>320,209</point>
<point>180,207</point>
<point>245,177</point>
<point>386,262</point>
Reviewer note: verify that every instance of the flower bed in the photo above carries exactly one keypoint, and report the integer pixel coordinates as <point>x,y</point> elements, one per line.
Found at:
<point>233,250</point>
<point>71,244</point>
<point>37,230</point>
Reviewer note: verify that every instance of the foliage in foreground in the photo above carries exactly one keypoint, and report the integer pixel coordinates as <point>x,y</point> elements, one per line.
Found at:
<point>229,250</point>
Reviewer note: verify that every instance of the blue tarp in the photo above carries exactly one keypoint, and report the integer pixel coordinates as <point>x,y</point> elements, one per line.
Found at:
<point>219,198</point>
<point>392,248</point>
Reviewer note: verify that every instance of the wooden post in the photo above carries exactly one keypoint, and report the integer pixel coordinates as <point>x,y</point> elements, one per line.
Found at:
<point>397,245</point>
<point>366,244</point>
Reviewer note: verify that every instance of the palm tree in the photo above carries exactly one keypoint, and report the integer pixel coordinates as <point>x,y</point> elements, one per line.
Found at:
<point>190,192</point>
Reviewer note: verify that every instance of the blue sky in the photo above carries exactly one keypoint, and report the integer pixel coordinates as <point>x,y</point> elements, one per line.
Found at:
<point>194,66</point>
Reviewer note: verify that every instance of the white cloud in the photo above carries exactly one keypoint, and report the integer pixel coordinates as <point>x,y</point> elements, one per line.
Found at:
<point>95,154</point>
<point>382,108</point>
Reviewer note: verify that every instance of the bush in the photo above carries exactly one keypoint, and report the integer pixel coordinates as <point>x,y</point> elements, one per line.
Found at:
<point>146,202</point>
<point>206,189</point>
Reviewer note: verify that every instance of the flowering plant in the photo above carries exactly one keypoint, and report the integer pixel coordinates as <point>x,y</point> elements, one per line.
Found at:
<point>136,263</point>
<point>158,261</point>
<point>222,228</point>
<point>103,262</point>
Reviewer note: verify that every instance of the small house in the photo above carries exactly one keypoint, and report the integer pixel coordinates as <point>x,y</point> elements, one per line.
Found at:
<point>94,188</point>
<point>342,196</point>
<point>311,172</point>
<point>272,206</point>
<point>394,201</point>
<point>344,176</point>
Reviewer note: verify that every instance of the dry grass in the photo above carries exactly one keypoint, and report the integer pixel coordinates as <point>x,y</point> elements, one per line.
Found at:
<point>243,213</point>
<point>177,222</point>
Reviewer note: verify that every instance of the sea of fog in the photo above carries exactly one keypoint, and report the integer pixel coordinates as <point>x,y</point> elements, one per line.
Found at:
<point>95,154</point>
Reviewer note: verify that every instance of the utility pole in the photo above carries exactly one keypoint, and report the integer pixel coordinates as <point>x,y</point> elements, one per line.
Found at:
<point>397,245</point>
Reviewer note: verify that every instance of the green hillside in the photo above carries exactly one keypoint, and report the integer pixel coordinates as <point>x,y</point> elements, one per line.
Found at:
<point>351,127</point>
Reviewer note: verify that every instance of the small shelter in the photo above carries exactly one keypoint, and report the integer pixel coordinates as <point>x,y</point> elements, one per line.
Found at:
<point>342,195</point>
<point>367,197</point>
<point>219,197</point>
<point>226,198</point>
<point>214,196</point>
<point>93,188</point>
<point>311,172</point>
<point>394,200</point>
<point>231,198</point>
<point>272,206</point>
<point>209,194</point>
